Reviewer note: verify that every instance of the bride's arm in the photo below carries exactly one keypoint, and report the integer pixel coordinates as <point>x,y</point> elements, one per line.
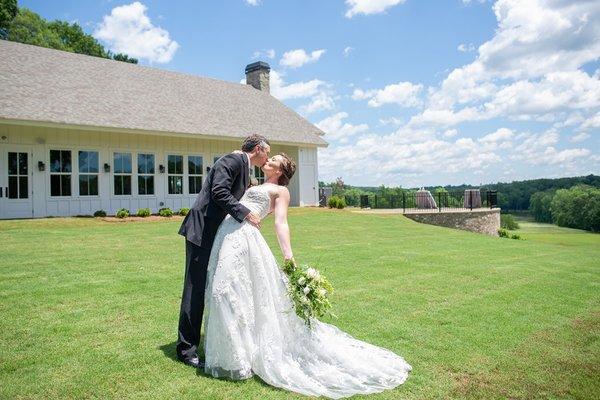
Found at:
<point>281,225</point>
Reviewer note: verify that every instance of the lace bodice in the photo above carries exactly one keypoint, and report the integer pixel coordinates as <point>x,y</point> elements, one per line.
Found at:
<point>258,199</point>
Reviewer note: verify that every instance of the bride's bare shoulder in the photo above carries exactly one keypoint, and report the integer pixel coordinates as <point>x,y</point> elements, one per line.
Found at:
<point>283,191</point>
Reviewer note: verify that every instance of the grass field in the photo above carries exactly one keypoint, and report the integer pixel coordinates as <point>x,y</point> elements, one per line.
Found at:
<point>89,308</point>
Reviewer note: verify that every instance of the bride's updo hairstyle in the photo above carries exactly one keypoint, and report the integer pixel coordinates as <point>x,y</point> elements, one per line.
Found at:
<point>288,168</point>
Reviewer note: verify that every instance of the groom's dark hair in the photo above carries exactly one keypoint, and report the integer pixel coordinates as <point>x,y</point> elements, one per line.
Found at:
<point>252,141</point>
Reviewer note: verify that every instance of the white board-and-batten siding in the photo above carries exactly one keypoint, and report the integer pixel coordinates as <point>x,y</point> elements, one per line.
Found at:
<point>38,141</point>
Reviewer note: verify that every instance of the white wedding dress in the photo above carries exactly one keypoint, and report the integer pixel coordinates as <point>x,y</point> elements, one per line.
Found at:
<point>251,327</point>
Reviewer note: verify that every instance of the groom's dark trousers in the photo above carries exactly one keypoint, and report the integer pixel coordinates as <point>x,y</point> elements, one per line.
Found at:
<point>225,184</point>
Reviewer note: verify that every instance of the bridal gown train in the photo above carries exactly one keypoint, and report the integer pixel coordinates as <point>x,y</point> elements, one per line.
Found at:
<point>251,327</point>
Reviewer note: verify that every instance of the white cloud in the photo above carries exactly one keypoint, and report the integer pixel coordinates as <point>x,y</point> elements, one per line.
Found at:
<point>268,53</point>
<point>129,30</point>
<point>450,133</point>
<point>335,129</point>
<point>368,7</point>
<point>299,57</point>
<point>347,51</point>
<point>501,135</point>
<point>404,94</point>
<point>539,149</point>
<point>283,91</point>
<point>529,70</point>
<point>592,122</point>
<point>403,158</point>
<point>252,2</point>
<point>579,137</point>
<point>464,48</point>
<point>320,102</point>
<point>391,121</point>
<point>500,139</point>
<point>467,2</point>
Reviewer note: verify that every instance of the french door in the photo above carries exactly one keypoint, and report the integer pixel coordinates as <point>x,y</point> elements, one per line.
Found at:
<point>16,182</point>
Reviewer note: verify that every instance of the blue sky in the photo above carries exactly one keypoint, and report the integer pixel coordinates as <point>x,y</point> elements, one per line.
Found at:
<point>409,92</point>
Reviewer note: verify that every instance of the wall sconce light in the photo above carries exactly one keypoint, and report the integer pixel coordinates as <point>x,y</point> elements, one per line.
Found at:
<point>41,166</point>
<point>106,167</point>
<point>161,169</point>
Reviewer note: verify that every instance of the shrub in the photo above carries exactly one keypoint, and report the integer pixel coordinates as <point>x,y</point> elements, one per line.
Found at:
<point>336,202</point>
<point>165,212</point>
<point>100,213</point>
<point>503,233</point>
<point>184,211</point>
<point>508,222</point>
<point>122,213</point>
<point>143,212</point>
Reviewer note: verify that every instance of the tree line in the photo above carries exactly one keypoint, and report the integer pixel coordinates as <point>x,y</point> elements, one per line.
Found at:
<point>19,24</point>
<point>572,202</point>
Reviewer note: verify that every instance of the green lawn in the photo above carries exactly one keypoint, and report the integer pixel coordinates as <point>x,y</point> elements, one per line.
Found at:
<point>89,308</point>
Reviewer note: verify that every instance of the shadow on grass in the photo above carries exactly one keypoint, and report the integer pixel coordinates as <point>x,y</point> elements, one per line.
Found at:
<point>170,351</point>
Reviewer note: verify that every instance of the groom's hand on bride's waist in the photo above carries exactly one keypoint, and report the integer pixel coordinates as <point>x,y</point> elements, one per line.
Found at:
<point>254,219</point>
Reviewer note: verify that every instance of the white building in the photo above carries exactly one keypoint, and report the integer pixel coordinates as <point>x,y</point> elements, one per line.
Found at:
<point>80,134</point>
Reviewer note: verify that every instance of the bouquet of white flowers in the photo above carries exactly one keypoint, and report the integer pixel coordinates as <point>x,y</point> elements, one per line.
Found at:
<point>309,290</point>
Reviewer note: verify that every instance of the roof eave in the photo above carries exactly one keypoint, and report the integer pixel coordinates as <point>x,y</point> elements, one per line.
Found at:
<point>62,125</point>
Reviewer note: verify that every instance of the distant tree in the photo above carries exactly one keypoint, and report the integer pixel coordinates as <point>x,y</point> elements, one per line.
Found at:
<point>8,11</point>
<point>75,40</point>
<point>578,207</point>
<point>540,206</point>
<point>28,27</point>
<point>338,187</point>
<point>124,58</point>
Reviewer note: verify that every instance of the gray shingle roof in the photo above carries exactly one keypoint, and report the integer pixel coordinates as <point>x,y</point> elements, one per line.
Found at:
<point>45,85</point>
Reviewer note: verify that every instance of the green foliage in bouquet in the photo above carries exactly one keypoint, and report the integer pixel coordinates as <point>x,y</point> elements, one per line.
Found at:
<point>309,290</point>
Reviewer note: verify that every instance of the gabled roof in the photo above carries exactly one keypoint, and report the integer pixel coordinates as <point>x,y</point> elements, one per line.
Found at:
<point>52,86</point>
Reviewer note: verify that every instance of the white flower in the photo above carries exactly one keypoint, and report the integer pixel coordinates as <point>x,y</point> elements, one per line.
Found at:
<point>312,273</point>
<point>301,280</point>
<point>306,290</point>
<point>322,292</point>
<point>304,300</point>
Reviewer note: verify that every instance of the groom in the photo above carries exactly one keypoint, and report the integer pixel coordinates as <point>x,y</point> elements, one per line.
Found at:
<point>225,184</point>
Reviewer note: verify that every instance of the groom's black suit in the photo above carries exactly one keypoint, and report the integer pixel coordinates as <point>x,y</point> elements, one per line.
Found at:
<point>225,184</point>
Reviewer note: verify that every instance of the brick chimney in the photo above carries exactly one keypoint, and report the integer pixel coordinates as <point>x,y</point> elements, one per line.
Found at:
<point>257,75</point>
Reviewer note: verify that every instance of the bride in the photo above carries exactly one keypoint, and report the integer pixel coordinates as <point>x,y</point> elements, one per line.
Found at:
<point>250,324</point>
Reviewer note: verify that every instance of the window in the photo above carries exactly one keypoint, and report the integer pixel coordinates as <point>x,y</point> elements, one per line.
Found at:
<point>145,174</point>
<point>175,172</point>
<point>17,176</point>
<point>122,174</point>
<point>195,174</point>
<point>88,173</point>
<point>60,172</point>
<point>259,175</point>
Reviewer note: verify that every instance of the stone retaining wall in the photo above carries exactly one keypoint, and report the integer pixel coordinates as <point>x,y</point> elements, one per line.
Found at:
<point>481,220</point>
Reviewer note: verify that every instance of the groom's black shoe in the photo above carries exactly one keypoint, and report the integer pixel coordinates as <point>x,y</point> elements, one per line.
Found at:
<point>192,361</point>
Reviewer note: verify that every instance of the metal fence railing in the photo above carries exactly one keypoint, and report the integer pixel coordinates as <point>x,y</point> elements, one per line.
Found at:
<point>424,200</point>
